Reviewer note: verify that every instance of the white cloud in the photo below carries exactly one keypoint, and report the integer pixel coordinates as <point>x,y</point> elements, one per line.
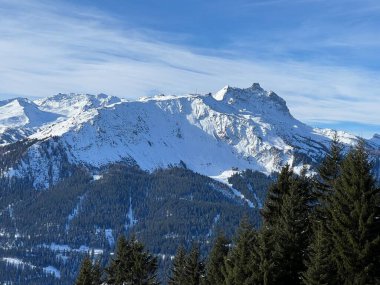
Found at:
<point>45,50</point>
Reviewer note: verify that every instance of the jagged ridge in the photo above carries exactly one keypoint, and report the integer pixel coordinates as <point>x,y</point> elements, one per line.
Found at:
<point>213,134</point>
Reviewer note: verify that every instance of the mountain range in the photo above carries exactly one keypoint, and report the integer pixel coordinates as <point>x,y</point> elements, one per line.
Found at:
<point>79,170</point>
<point>212,134</point>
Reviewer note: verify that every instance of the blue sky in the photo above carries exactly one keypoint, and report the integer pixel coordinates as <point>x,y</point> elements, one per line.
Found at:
<point>321,56</point>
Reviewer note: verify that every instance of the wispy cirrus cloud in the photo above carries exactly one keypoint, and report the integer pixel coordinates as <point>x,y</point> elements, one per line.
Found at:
<point>47,49</point>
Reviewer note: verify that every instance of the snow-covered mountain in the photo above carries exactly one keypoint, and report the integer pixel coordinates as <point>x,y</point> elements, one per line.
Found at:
<point>213,134</point>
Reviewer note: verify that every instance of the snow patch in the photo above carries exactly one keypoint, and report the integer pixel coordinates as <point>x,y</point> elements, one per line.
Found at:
<point>131,221</point>
<point>109,237</point>
<point>53,271</point>
<point>74,213</point>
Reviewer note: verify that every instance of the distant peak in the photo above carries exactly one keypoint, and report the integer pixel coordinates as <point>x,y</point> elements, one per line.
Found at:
<point>221,93</point>
<point>251,96</point>
<point>256,86</point>
<point>239,93</point>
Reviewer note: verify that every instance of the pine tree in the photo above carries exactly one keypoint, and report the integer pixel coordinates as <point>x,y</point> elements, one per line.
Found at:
<point>262,262</point>
<point>119,269</point>
<point>319,271</point>
<point>355,223</point>
<point>329,169</point>
<point>144,267</point>
<point>277,256</point>
<point>85,273</point>
<point>194,267</point>
<point>273,201</point>
<point>131,264</point>
<point>237,264</point>
<point>291,233</point>
<point>215,262</point>
<point>96,273</point>
<point>321,267</point>
<point>177,276</point>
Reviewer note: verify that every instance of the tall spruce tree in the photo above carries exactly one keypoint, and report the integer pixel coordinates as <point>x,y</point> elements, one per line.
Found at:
<point>318,262</point>
<point>96,273</point>
<point>273,201</point>
<point>277,256</point>
<point>238,270</point>
<point>262,263</point>
<point>292,231</point>
<point>132,264</point>
<point>329,169</point>
<point>119,269</point>
<point>177,276</point>
<point>85,276</point>
<point>215,262</point>
<point>355,221</point>
<point>320,266</point>
<point>194,267</point>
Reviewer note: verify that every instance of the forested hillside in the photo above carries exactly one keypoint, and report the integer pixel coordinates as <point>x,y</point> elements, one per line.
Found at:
<point>86,213</point>
<point>322,230</point>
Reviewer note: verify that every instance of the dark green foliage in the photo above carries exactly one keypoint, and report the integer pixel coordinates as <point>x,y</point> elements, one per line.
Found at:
<point>291,233</point>
<point>178,276</point>
<point>215,263</point>
<point>97,273</point>
<point>131,264</point>
<point>273,203</point>
<point>319,261</point>
<point>170,206</point>
<point>237,264</point>
<point>187,268</point>
<point>252,184</point>
<point>85,276</point>
<point>321,267</point>
<point>328,172</point>
<point>355,221</point>
<point>280,247</point>
<point>194,267</point>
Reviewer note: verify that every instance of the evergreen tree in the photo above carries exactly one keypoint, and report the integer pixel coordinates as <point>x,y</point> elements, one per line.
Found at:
<point>215,262</point>
<point>277,256</point>
<point>132,265</point>
<point>291,233</point>
<point>273,201</point>
<point>237,264</point>
<point>319,270</point>
<point>85,276</point>
<point>262,263</point>
<point>355,221</point>
<point>144,265</point>
<point>96,273</point>
<point>194,267</point>
<point>321,267</point>
<point>119,269</point>
<point>329,169</point>
<point>178,276</point>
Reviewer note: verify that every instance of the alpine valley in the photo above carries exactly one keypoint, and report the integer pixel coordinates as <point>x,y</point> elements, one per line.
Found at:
<point>78,170</point>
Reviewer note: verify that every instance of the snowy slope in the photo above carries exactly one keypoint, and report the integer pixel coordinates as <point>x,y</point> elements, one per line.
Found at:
<point>211,134</point>
<point>18,117</point>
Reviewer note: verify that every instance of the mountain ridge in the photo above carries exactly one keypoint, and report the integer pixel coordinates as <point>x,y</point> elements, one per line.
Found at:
<point>213,134</point>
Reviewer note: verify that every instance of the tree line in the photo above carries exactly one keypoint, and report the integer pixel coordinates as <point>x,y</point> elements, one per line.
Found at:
<point>323,229</point>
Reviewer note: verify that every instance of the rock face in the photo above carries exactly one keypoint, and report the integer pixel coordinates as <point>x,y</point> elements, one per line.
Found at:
<point>211,134</point>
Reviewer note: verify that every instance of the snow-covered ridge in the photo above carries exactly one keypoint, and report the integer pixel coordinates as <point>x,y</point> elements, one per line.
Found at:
<point>233,128</point>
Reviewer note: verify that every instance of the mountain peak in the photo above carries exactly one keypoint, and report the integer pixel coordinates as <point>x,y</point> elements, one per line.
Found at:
<point>73,104</point>
<point>253,96</point>
<point>256,86</point>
